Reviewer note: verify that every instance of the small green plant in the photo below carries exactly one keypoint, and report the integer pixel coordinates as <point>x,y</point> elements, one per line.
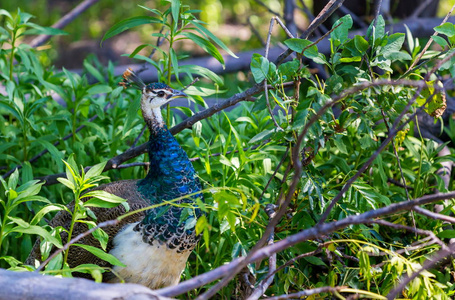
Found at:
<point>12,202</point>
<point>80,182</point>
<point>178,23</point>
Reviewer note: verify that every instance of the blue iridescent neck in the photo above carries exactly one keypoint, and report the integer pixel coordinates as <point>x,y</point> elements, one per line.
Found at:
<point>171,173</point>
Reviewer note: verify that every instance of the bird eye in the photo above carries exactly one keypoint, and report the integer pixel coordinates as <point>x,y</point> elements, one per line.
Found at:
<point>160,94</point>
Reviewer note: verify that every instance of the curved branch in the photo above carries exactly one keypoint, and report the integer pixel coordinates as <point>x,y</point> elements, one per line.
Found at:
<point>307,234</point>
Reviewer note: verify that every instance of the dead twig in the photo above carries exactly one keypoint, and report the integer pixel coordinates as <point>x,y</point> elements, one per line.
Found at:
<point>429,42</point>
<point>68,18</point>
<point>429,263</point>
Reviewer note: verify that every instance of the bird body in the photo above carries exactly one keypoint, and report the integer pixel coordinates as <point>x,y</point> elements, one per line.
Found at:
<point>154,245</point>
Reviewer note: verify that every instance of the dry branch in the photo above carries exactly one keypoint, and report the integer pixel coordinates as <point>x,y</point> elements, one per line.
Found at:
<point>29,285</point>
<point>307,234</point>
<point>68,18</point>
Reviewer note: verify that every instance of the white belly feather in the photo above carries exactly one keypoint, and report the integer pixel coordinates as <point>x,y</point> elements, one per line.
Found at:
<point>154,266</point>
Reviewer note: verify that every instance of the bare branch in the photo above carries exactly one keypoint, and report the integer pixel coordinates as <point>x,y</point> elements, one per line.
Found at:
<point>306,293</point>
<point>326,12</point>
<point>304,235</point>
<point>68,18</point>
<point>434,215</point>
<point>429,42</point>
<point>412,229</point>
<point>30,285</point>
<point>429,263</point>
<point>74,240</point>
<point>420,8</point>
<point>264,284</point>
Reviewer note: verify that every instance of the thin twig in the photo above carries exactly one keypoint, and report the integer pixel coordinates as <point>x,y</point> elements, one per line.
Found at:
<point>266,92</point>
<point>384,117</point>
<point>304,235</point>
<point>398,183</point>
<point>377,11</point>
<point>420,9</point>
<point>429,263</point>
<point>274,174</point>
<point>326,12</point>
<point>159,42</point>
<point>268,8</point>
<point>310,17</point>
<point>264,284</point>
<point>412,229</point>
<point>434,215</point>
<point>74,240</point>
<point>429,42</point>
<point>306,293</point>
<point>68,18</point>
<point>136,140</point>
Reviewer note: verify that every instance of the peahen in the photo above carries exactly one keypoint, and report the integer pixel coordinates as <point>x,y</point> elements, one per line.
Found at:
<point>154,245</point>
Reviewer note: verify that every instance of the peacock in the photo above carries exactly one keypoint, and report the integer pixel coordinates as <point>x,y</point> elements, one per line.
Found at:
<point>155,244</point>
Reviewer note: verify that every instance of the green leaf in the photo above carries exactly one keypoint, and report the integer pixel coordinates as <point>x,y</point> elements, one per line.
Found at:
<point>315,261</point>
<point>5,13</point>
<point>56,155</point>
<point>13,180</point>
<point>202,91</point>
<point>99,233</point>
<point>37,29</point>
<point>340,34</point>
<point>361,44</point>
<point>262,136</point>
<point>128,24</point>
<point>45,210</point>
<point>175,7</point>
<point>102,199</point>
<point>205,45</point>
<point>201,224</point>
<point>99,89</point>
<point>212,37</point>
<point>101,254</point>
<point>155,11</point>
<point>379,30</point>
<point>394,44</point>
<point>289,69</point>
<point>446,234</point>
<point>204,72</point>
<point>69,184</point>
<point>259,67</point>
<point>397,55</point>
<point>447,29</point>
<point>299,45</point>
<point>437,104</point>
<point>174,62</point>
<point>92,70</point>
<point>440,41</point>
<point>190,223</point>
<point>96,170</point>
<point>38,230</point>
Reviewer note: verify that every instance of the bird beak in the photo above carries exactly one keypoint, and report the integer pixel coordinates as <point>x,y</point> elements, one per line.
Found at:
<point>178,94</point>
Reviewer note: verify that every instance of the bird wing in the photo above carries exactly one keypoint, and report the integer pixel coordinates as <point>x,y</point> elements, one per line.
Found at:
<point>126,189</point>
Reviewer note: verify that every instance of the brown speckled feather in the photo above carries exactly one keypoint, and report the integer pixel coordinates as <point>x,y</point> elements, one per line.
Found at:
<point>126,189</point>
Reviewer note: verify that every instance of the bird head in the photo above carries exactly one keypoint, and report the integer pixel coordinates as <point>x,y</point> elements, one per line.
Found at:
<point>154,95</point>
